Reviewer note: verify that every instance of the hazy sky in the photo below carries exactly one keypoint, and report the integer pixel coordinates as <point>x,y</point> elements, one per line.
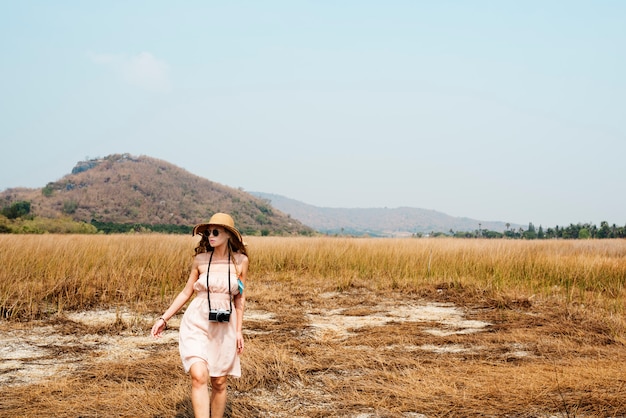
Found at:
<point>509,111</point>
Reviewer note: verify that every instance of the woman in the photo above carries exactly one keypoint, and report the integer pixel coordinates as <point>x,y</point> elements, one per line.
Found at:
<point>210,337</point>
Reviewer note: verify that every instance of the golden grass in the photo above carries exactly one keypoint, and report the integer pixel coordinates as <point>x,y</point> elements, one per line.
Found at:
<point>582,271</point>
<point>555,345</point>
<point>43,274</point>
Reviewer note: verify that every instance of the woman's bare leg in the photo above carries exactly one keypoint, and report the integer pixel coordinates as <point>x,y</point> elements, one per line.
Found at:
<point>199,390</point>
<point>218,396</point>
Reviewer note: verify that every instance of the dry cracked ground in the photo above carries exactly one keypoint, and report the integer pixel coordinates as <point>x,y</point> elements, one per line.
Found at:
<point>348,354</point>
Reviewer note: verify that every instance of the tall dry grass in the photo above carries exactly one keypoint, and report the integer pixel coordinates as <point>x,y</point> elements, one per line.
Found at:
<point>572,267</point>
<point>45,274</point>
<point>559,302</point>
<point>42,274</point>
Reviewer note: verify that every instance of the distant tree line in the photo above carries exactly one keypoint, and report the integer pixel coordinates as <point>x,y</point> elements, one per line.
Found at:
<point>573,231</point>
<point>16,218</point>
<point>123,228</point>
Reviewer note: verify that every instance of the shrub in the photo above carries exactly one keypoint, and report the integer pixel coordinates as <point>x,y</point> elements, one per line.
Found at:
<point>5,225</point>
<point>16,210</point>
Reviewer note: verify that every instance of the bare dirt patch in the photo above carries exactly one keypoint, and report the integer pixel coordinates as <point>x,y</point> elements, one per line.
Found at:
<point>55,348</point>
<point>42,350</point>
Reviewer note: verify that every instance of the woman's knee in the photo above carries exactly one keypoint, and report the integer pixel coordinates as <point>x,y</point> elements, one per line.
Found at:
<point>219,384</point>
<point>199,374</point>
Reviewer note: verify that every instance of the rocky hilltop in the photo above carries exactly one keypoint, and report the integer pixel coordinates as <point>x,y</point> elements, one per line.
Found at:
<point>124,189</point>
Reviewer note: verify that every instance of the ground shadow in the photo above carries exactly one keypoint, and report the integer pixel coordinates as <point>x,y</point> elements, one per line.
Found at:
<point>184,409</point>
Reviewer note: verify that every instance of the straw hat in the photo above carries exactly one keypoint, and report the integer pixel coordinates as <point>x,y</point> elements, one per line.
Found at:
<point>219,219</point>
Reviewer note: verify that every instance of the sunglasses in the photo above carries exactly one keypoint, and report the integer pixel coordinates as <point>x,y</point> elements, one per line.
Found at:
<point>214,232</point>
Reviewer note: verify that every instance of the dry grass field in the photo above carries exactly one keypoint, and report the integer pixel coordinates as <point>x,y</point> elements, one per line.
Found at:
<point>334,327</point>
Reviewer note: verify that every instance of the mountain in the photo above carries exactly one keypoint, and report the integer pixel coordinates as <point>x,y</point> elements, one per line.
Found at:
<point>399,222</point>
<point>123,189</point>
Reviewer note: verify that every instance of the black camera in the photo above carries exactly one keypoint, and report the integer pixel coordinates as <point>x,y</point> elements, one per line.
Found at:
<point>219,315</point>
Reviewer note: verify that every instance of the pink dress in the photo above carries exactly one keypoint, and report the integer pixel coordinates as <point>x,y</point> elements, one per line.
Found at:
<point>214,343</point>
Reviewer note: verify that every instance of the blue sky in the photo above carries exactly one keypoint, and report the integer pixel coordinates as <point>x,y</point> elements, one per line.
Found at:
<point>494,110</point>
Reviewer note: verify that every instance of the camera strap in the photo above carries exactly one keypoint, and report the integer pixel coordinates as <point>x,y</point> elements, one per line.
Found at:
<point>230,299</point>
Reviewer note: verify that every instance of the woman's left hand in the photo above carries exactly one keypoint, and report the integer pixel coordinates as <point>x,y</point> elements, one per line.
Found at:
<point>239,342</point>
